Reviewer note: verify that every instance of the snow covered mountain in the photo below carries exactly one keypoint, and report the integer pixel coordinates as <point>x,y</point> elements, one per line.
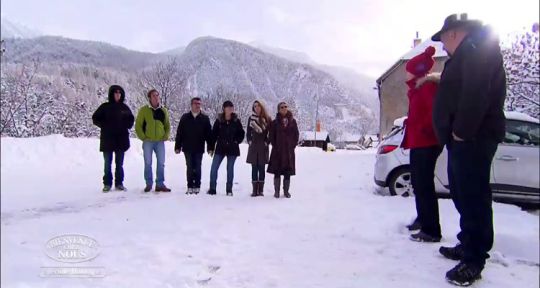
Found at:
<point>207,65</point>
<point>14,30</point>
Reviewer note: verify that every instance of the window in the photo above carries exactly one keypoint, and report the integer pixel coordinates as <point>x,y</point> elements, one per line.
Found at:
<point>522,133</point>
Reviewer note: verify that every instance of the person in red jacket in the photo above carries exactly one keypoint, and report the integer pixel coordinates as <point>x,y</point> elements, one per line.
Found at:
<point>421,139</point>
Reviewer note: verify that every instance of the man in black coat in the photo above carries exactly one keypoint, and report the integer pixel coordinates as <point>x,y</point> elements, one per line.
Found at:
<point>193,130</point>
<point>115,119</point>
<point>469,119</point>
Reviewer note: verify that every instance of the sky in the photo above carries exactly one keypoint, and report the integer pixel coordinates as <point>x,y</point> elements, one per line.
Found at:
<point>365,35</point>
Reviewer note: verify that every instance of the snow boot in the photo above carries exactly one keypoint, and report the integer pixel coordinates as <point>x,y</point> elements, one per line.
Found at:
<point>286,185</point>
<point>189,191</point>
<point>261,189</point>
<point>162,188</point>
<point>277,186</point>
<point>424,237</point>
<point>415,225</point>
<point>255,192</point>
<point>453,253</point>
<point>464,274</point>
<point>196,190</point>
<point>120,187</point>
<point>106,188</point>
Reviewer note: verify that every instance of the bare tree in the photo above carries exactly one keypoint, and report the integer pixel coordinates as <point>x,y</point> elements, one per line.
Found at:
<point>167,78</point>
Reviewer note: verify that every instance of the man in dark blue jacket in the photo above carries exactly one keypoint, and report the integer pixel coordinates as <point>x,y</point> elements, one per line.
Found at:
<point>469,119</point>
<point>193,130</point>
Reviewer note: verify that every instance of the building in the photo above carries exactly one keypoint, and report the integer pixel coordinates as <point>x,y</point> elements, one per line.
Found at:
<point>312,139</point>
<point>392,88</point>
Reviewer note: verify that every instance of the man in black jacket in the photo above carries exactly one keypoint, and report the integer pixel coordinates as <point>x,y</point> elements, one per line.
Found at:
<point>193,130</point>
<point>115,119</point>
<point>469,119</point>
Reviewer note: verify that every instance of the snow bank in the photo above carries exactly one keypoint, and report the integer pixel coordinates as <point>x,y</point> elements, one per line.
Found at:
<point>333,232</point>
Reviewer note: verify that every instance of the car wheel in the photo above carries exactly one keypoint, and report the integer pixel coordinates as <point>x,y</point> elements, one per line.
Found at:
<point>400,183</point>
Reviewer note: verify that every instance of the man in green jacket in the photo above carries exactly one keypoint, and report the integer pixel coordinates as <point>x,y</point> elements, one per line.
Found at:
<point>153,128</point>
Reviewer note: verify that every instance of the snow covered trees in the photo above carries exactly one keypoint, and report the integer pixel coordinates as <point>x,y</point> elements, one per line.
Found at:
<point>521,61</point>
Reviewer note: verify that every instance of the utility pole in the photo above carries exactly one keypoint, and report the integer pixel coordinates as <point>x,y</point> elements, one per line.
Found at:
<point>316,118</point>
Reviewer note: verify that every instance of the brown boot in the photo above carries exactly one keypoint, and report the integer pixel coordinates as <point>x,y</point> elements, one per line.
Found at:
<point>277,186</point>
<point>286,185</point>
<point>255,192</point>
<point>261,188</point>
<point>162,189</point>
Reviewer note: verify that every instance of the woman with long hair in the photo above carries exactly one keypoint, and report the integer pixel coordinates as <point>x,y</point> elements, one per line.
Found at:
<point>284,138</point>
<point>257,136</point>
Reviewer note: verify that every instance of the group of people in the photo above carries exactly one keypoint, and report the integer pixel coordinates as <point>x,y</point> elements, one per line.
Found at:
<point>462,109</point>
<point>194,131</point>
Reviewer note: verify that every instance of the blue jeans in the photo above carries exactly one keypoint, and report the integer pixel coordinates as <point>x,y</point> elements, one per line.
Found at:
<point>214,171</point>
<point>257,172</point>
<point>159,148</point>
<point>119,170</point>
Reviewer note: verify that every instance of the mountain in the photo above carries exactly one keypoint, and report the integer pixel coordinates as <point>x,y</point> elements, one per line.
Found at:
<point>60,50</point>
<point>211,68</point>
<point>349,78</point>
<point>14,30</point>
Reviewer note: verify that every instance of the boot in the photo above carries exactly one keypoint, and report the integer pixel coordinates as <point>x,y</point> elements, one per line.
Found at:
<point>261,189</point>
<point>277,186</point>
<point>255,192</point>
<point>286,185</point>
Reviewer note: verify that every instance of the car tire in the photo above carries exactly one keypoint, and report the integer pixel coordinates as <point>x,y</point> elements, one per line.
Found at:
<point>400,183</point>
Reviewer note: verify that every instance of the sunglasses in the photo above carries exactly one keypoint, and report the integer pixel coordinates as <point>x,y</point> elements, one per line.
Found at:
<point>283,107</point>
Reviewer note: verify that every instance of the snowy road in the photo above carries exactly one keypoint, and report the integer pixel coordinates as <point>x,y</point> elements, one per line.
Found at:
<point>334,231</point>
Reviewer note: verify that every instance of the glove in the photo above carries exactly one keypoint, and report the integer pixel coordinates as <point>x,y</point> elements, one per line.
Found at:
<point>211,153</point>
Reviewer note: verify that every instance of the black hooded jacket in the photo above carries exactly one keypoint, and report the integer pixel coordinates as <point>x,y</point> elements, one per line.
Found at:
<point>227,135</point>
<point>470,98</point>
<point>115,119</point>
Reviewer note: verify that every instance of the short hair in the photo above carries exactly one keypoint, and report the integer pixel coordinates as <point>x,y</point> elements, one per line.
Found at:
<point>150,93</point>
<point>195,99</point>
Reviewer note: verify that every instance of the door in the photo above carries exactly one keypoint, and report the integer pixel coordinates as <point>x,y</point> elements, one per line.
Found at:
<point>516,162</point>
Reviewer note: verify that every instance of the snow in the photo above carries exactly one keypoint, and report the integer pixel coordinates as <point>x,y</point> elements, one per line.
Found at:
<point>420,48</point>
<point>520,116</point>
<point>335,231</point>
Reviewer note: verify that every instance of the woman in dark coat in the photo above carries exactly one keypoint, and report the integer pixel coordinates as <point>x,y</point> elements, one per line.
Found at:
<point>258,140</point>
<point>115,119</point>
<point>284,138</point>
<point>227,134</point>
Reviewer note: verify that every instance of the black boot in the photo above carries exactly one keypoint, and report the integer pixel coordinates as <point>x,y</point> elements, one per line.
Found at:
<point>464,274</point>
<point>415,225</point>
<point>255,192</point>
<point>453,253</point>
<point>229,190</point>
<point>286,185</point>
<point>277,186</point>
<point>261,189</point>
<point>211,192</point>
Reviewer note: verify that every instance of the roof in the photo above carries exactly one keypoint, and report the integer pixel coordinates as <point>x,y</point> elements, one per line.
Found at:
<point>310,135</point>
<point>439,53</point>
<point>511,115</point>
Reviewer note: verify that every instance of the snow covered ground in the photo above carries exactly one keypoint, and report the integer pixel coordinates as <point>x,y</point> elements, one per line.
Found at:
<point>335,231</point>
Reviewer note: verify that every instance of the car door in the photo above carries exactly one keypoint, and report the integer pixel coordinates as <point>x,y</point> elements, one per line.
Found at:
<point>516,162</point>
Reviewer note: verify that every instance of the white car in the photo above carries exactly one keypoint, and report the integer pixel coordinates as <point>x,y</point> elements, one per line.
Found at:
<point>515,174</point>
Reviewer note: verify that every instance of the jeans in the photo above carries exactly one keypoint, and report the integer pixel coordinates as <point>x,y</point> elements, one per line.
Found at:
<point>469,168</point>
<point>257,172</point>
<point>214,171</point>
<point>119,170</point>
<point>193,171</point>
<point>423,161</point>
<point>150,147</point>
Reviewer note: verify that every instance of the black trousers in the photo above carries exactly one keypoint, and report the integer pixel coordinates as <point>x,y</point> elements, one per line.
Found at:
<point>469,170</point>
<point>193,170</point>
<point>423,161</point>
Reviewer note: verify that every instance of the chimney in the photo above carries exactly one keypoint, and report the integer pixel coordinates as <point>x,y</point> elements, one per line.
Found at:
<point>417,40</point>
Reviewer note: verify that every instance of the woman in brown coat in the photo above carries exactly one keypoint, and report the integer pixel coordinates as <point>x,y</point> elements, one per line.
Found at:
<point>284,138</point>
<point>258,140</point>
